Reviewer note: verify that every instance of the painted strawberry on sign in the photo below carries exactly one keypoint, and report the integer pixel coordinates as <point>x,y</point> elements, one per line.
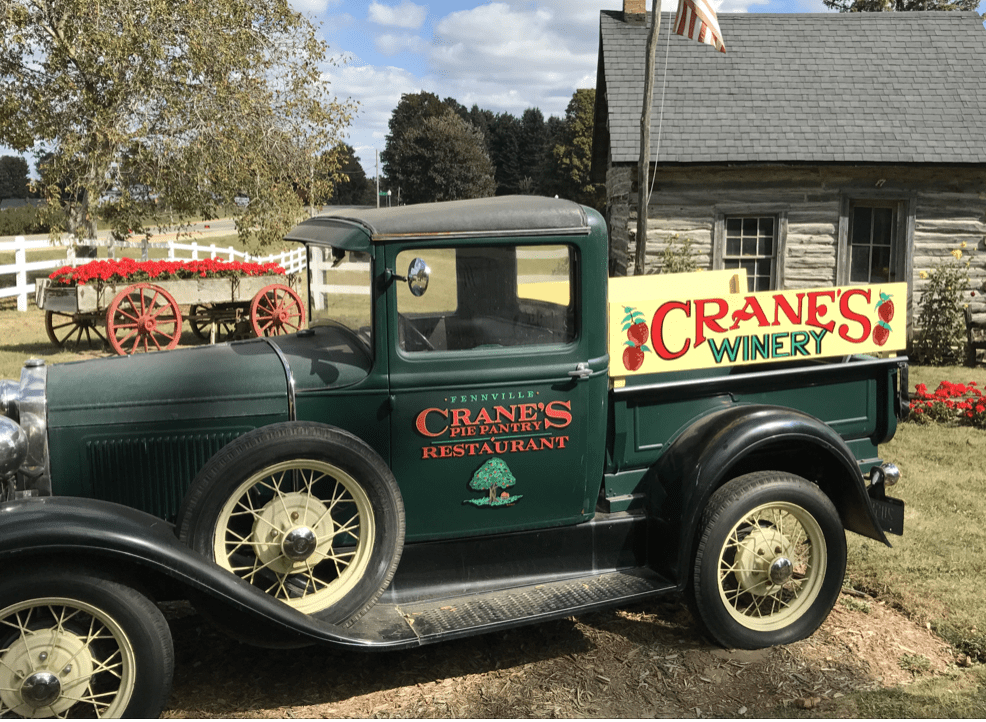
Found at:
<point>635,325</point>
<point>885,307</point>
<point>885,310</point>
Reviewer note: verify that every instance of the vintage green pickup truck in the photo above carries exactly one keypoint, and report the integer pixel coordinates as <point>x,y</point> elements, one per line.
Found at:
<point>471,435</point>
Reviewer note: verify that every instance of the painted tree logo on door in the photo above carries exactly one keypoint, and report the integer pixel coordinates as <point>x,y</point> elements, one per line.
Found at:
<point>494,477</point>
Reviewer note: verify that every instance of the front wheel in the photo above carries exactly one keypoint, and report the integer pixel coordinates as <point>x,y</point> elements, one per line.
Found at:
<point>770,563</point>
<point>75,644</point>
<point>306,512</point>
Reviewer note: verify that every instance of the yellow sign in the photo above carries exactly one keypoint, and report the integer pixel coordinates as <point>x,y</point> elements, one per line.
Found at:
<point>694,321</point>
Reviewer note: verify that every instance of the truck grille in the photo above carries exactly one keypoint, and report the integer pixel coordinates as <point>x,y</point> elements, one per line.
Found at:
<point>151,473</point>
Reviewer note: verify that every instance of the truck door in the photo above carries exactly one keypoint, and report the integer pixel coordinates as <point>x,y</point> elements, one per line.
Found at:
<point>498,417</point>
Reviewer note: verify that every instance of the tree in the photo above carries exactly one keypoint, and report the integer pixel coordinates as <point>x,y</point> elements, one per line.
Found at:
<point>533,137</point>
<point>867,6</point>
<point>572,155</point>
<point>505,134</point>
<point>13,177</point>
<point>442,159</point>
<point>355,189</point>
<point>194,102</point>
<point>493,476</point>
<point>407,117</point>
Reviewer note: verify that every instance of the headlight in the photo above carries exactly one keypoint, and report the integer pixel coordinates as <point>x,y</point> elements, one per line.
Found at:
<point>13,447</point>
<point>24,432</point>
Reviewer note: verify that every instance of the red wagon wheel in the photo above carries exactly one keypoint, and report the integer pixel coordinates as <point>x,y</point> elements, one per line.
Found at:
<point>276,310</point>
<point>74,331</point>
<point>143,318</point>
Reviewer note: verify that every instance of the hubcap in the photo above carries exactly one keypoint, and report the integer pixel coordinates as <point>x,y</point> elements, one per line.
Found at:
<point>299,543</point>
<point>295,532</point>
<point>41,689</point>
<point>758,553</point>
<point>781,570</point>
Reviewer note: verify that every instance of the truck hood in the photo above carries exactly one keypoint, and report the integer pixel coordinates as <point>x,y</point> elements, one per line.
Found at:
<point>240,379</point>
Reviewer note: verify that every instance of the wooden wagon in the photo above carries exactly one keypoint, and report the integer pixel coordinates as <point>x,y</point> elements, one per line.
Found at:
<point>141,317</point>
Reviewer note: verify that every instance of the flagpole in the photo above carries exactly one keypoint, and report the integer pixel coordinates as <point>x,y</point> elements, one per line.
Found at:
<point>644,165</point>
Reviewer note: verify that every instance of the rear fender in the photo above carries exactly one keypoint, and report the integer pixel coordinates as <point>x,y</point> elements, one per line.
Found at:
<point>115,537</point>
<point>741,439</point>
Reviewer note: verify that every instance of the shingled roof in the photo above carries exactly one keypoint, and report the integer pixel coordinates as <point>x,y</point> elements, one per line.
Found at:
<point>907,87</point>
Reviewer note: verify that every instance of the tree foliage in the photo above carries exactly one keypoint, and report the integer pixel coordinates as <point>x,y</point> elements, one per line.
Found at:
<point>354,188</point>
<point>13,177</point>
<point>869,6</point>
<point>529,155</point>
<point>443,159</point>
<point>182,106</point>
<point>573,153</point>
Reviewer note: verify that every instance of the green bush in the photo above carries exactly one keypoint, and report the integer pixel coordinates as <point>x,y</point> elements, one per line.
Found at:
<point>23,221</point>
<point>678,259</point>
<point>941,339</point>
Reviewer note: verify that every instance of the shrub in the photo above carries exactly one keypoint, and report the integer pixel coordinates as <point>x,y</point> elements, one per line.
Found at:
<point>941,339</point>
<point>678,259</point>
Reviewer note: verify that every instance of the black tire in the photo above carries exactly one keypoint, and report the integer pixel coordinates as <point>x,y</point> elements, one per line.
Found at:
<point>770,562</point>
<point>70,633</point>
<point>309,513</point>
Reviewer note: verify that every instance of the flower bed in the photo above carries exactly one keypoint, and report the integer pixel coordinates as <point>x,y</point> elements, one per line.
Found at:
<point>949,404</point>
<point>127,270</point>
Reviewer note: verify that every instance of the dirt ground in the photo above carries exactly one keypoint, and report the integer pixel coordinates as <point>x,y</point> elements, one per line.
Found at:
<point>645,661</point>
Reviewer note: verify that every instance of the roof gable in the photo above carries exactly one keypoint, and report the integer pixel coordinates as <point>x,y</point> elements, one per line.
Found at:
<point>828,87</point>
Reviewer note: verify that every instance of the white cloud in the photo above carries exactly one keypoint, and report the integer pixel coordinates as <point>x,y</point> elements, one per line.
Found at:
<point>378,89</point>
<point>388,44</point>
<point>314,7</point>
<point>406,15</point>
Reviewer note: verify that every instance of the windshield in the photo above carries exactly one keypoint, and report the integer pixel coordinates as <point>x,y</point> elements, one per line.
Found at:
<point>340,289</point>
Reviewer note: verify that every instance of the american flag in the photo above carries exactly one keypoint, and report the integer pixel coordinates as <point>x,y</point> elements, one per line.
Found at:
<point>696,19</point>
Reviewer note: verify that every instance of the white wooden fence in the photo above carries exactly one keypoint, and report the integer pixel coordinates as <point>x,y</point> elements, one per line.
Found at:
<point>292,261</point>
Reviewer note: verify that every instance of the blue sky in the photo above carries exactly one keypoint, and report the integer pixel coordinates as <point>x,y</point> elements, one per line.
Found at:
<point>506,55</point>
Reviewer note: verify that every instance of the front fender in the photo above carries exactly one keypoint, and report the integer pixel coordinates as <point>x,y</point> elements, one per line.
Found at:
<point>116,536</point>
<point>718,447</point>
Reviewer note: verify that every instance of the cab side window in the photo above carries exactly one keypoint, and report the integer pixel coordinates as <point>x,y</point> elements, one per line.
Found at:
<point>489,296</point>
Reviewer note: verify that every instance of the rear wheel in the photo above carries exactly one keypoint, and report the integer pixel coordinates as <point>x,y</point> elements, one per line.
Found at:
<point>75,331</point>
<point>306,512</point>
<point>770,562</point>
<point>75,644</point>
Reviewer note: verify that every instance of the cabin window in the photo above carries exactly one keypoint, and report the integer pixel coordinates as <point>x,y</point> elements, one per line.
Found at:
<point>872,229</point>
<point>751,244</point>
<point>489,297</point>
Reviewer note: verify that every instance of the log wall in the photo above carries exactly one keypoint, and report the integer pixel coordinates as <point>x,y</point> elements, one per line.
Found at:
<point>942,210</point>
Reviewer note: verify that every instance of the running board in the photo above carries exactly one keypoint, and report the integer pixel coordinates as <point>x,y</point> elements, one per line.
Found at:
<point>430,621</point>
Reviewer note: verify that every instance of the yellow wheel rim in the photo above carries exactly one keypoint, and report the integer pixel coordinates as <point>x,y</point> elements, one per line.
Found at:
<point>301,530</point>
<point>62,657</point>
<point>772,566</point>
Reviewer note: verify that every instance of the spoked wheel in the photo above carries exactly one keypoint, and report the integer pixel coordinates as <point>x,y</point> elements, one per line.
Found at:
<point>203,317</point>
<point>73,644</point>
<point>75,331</point>
<point>276,310</point>
<point>143,318</point>
<point>308,513</point>
<point>771,561</point>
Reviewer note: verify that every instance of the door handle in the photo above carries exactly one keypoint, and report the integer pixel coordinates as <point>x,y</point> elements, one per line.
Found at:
<point>582,371</point>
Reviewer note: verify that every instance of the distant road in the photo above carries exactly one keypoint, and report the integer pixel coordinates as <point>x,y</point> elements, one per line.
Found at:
<point>191,232</point>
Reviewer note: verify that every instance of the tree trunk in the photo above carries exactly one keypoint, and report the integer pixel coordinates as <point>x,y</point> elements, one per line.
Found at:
<point>644,164</point>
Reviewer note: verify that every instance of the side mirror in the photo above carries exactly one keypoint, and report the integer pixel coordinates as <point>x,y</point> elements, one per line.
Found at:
<point>418,274</point>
